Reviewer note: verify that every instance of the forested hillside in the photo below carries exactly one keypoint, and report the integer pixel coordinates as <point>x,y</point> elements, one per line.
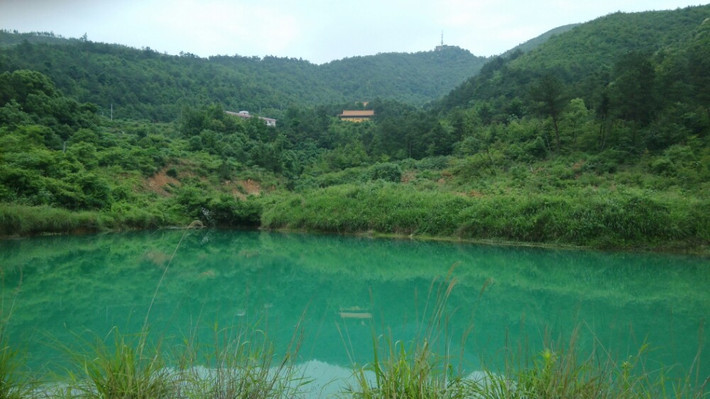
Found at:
<point>587,59</point>
<point>144,84</point>
<point>417,78</point>
<point>598,137</point>
<point>537,41</point>
<point>617,87</point>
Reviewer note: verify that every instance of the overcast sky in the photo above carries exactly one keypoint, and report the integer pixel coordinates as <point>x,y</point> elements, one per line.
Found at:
<point>315,30</point>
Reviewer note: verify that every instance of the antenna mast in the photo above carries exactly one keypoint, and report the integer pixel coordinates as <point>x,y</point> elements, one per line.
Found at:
<point>442,38</point>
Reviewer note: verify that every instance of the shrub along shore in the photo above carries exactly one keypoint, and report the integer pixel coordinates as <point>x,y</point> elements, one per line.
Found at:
<point>600,219</point>
<point>586,219</point>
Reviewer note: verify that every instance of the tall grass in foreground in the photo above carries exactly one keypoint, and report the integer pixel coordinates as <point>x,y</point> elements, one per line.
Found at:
<point>559,372</point>
<point>13,382</point>
<point>241,364</point>
<point>127,368</point>
<point>238,366</point>
<point>418,370</point>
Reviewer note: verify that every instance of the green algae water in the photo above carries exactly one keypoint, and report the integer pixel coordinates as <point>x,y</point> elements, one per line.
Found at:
<point>62,292</point>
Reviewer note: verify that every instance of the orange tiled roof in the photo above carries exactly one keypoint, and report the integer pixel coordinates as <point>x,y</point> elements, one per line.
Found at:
<point>358,113</point>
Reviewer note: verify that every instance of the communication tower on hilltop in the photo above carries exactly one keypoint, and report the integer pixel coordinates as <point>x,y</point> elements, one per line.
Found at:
<point>442,45</point>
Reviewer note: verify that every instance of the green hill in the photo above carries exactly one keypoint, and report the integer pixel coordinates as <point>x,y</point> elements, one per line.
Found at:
<point>153,86</point>
<point>537,41</point>
<point>417,78</point>
<point>583,57</point>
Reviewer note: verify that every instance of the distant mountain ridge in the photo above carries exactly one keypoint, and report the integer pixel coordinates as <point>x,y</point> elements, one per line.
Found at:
<point>417,77</point>
<point>146,84</point>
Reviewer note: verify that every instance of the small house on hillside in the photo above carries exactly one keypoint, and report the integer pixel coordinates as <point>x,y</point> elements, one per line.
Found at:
<point>357,115</point>
<point>246,115</point>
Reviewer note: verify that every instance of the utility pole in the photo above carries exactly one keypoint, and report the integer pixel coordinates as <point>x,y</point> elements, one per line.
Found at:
<point>112,111</point>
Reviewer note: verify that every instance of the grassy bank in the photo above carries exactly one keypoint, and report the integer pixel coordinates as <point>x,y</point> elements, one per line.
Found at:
<point>22,220</point>
<point>585,217</point>
<point>19,220</point>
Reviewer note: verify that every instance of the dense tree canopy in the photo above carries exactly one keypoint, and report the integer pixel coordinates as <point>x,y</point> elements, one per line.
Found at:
<point>637,75</point>
<point>144,84</point>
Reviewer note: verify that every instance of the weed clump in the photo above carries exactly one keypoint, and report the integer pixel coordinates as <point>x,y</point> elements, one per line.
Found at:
<point>13,383</point>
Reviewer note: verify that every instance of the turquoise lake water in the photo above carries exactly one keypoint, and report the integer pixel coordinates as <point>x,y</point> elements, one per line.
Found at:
<point>65,291</point>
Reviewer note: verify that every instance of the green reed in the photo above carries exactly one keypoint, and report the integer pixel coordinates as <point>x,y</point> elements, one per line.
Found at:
<point>415,369</point>
<point>626,218</point>
<point>241,363</point>
<point>126,368</point>
<point>14,382</point>
<point>562,370</point>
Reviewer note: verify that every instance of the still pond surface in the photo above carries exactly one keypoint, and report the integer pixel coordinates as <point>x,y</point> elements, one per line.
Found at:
<point>66,291</point>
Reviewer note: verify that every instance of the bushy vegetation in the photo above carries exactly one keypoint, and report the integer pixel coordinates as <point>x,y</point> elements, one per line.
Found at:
<point>582,140</point>
<point>600,218</point>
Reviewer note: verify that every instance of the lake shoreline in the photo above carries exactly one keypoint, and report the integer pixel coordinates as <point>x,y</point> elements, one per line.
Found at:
<point>18,221</point>
<point>699,250</point>
<point>679,249</point>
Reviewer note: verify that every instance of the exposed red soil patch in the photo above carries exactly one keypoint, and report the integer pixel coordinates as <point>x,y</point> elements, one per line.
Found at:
<point>243,188</point>
<point>159,182</point>
<point>252,187</point>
